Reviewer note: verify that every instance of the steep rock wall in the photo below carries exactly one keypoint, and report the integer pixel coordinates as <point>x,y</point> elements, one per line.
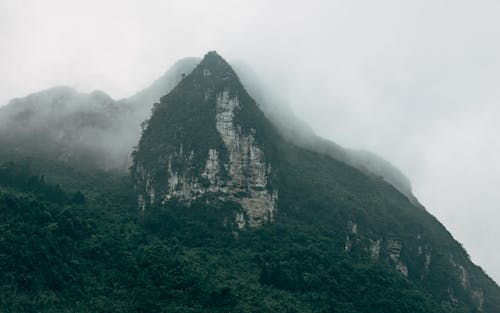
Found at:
<point>243,177</point>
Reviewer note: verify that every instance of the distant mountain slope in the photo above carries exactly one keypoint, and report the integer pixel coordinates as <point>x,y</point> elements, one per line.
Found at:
<point>297,131</point>
<point>91,130</point>
<point>63,124</point>
<point>163,85</point>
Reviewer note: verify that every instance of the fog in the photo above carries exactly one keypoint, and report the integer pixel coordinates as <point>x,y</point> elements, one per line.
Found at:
<point>414,81</point>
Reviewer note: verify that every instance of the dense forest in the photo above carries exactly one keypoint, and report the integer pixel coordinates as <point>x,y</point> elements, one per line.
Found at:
<point>85,248</point>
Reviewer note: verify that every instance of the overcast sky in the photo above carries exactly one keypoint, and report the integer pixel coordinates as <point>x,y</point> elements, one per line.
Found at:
<point>417,82</point>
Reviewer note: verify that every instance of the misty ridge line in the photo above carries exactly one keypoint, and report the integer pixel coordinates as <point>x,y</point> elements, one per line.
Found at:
<point>95,130</point>
<point>90,129</point>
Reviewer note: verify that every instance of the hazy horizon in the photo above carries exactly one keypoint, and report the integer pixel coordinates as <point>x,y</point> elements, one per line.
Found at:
<point>415,83</point>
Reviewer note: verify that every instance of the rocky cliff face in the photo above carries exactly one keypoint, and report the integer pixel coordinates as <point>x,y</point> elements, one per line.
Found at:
<point>415,259</point>
<point>247,170</point>
<point>228,164</point>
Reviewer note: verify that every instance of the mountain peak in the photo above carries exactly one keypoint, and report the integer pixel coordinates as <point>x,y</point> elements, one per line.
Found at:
<point>213,56</point>
<point>213,67</point>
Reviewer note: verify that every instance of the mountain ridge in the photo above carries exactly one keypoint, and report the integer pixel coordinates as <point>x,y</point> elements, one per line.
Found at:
<point>129,113</point>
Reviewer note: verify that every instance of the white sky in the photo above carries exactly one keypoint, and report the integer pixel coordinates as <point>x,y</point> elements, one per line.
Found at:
<point>417,82</point>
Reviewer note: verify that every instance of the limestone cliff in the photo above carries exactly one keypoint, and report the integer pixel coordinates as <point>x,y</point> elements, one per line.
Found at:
<point>206,148</point>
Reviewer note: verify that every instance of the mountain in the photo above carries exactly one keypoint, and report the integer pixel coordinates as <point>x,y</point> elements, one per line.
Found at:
<point>208,143</point>
<point>232,204</point>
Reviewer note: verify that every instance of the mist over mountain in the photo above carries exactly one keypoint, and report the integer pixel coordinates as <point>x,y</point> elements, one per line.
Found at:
<point>85,129</point>
<point>231,204</point>
<point>96,130</point>
<point>297,131</point>
<point>63,124</point>
<point>160,87</point>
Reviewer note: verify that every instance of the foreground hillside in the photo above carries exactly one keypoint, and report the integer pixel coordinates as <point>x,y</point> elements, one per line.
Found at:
<point>89,251</point>
<point>83,247</point>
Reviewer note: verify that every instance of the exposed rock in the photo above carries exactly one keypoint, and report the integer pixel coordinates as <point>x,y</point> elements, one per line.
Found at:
<point>348,244</point>
<point>247,169</point>
<point>353,227</point>
<point>400,266</point>
<point>394,252</point>
<point>240,220</point>
<point>244,178</point>
<point>394,249</point>
<point>427,261</point>
<point>452,297</point>
<point>375,249</point>
<point>478,295</point>
<point>212,166</point>
<point>464,275</point>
